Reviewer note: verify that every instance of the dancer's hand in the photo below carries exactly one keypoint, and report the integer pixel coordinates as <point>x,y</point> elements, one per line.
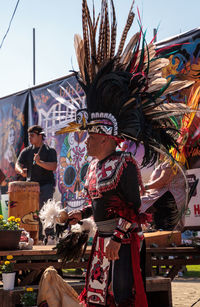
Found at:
<point>62,217</point>
<point>74,217</point>
<point>112,250</point>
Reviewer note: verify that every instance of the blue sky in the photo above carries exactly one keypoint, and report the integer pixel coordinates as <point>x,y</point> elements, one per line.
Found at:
<point>56,21</point>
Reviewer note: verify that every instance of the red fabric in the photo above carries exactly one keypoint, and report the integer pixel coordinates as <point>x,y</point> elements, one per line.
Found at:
<point>140,295</point>
<point>83,295</point>
<point>110,300</point>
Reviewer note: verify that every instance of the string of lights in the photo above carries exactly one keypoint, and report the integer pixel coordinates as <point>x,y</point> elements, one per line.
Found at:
<point>9,24</point>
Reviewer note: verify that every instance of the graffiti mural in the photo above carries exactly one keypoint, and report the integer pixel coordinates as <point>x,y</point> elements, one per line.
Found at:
<point>51,103</point>
<point>12,123</point>
<point>72,169</point>
<point>184,59</point>
<point>48,105</point>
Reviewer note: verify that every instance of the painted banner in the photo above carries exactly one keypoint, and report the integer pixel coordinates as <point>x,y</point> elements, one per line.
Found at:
<point>183,52</point>
<point>13,111</point>
<point>71,148</point>
<point>38,106</point>
<point>192,217</point>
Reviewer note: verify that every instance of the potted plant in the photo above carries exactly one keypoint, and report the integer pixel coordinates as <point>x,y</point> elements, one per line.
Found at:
<point>29,297</point>
<point>10,233</point>
<point>8,274</point>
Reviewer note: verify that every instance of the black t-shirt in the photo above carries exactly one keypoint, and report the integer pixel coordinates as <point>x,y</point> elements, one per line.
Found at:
<point>34,171</point>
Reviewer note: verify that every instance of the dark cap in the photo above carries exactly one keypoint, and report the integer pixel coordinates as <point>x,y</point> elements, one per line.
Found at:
<point>36,129</point>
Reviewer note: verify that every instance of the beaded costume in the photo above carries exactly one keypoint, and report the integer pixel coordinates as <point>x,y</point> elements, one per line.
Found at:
<point>126,99</point>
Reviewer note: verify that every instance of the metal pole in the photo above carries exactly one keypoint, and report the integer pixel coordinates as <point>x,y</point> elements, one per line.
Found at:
<point>155,35</point>
<point>33,56</point>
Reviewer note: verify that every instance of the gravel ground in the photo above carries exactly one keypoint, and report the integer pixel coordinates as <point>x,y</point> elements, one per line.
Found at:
<point>186,292</point>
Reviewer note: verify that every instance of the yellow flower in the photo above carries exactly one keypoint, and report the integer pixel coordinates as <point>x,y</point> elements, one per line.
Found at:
<point>9,257</point>
<point>17,220</point>
<point>11,219</point>
<point>1,217</point>
<point>29,289</point>
<point>7,262</point>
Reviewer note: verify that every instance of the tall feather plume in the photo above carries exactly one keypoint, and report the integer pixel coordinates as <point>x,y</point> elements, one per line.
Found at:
<point>92,32</point>
<point>101,33</point>
<point>127,54</point>
<point>86,36</point>
<point>128,25</point>
<point>113,31</point>
<point>80,53</point>
<point>128,83</point>
<point>107,33</point>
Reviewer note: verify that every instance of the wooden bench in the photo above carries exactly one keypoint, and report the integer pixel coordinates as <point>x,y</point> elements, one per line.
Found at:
<point>158,292</point>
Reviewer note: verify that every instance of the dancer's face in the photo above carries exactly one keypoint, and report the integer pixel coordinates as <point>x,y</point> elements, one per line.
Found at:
<point>94,144</point>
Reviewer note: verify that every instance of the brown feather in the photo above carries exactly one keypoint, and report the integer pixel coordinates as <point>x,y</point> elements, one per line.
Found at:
<point>85,36</point>
<point>113,31</point>
<point>107,33</point>
<point>127,54</point>
<point>92,34</point>
<point>128,25</point>
<point>177,86</point>
<point>80,54</point>
<point>100,39</point>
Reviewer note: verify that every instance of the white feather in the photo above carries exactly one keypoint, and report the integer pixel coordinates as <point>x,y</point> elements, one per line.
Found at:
<point>49,213</point>
<point>88,225</point>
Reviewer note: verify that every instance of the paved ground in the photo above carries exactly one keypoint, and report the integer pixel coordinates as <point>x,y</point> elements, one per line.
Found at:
<point>185,292</point>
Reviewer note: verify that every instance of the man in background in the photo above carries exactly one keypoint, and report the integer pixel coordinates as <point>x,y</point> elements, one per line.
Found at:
<point>37,163</point>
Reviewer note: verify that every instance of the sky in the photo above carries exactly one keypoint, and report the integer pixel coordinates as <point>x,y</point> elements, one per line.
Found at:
<point>56,22</point>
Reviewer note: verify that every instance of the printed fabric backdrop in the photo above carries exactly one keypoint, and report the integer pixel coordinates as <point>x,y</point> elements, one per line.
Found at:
<point>185,59</point>
<point>71,148</point>
<point>38,106</point>
<point>13,111</point>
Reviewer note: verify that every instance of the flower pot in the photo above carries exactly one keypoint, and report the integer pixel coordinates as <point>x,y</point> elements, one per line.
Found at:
<point>9,239</point>
<point>8,280</point>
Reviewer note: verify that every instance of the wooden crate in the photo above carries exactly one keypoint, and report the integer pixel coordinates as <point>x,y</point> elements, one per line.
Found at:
<point>11,298</point>
<point>163,238</point>
<point>24,203</point>
<point>159,291</point>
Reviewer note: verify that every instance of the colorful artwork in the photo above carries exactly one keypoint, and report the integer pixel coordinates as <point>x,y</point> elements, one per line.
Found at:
<point>71,149</point>
<point>37,105</point>
<point>72,169</point>
<point>185,59</point>
<point>11,136</point>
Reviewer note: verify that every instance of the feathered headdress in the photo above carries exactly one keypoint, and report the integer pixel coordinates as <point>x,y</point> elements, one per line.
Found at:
<point>124,87</point>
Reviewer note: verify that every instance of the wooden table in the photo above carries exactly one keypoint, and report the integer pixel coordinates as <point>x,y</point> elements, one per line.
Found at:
<point>31,263</point>
<point>180,256</point>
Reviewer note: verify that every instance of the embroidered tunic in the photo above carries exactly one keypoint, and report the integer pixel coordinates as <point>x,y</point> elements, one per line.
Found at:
<point>112,187</point>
